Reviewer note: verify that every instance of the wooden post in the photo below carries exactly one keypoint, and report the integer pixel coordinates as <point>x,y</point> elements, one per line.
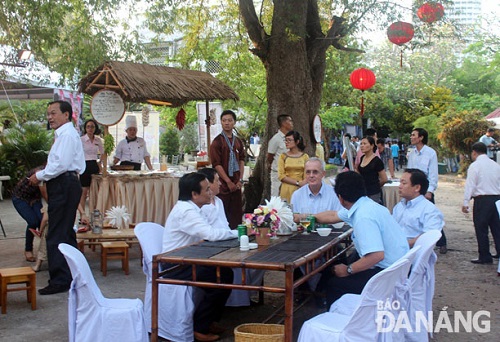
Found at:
<point>207,122</point>
<point>104,156</point>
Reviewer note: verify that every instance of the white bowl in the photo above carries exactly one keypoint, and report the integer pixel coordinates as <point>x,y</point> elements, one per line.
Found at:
<point>324,231</point>
<point>253,245</point>
<point>338,225</point>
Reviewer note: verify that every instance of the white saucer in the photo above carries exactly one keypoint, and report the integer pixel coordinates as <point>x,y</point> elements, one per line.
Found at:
<point>253,245</point>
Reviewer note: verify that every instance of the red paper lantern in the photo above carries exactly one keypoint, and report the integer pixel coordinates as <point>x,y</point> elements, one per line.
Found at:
<point>362,79</point>
<point>400,33</point>
<point>430,12</point>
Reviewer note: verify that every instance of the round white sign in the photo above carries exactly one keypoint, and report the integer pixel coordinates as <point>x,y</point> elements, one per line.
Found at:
<point>107,107</point>
<point>317,128</point>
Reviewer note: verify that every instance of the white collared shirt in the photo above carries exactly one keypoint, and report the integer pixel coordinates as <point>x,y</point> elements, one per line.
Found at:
<point>133,151</point>
<point>483,178</point>
<point>186,224</point>
<point>426,161</point>
<point>418,216</point>
<point>215,214</point>
<point>66,154</point>
<point>305,202</point>
<point>277,147</point>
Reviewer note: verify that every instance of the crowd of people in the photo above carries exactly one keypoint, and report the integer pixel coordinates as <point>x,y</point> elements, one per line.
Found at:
<point>209,206</point>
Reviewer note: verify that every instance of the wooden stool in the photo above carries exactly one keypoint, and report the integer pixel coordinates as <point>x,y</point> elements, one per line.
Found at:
<point>116,250</point>
<point>17,275</point>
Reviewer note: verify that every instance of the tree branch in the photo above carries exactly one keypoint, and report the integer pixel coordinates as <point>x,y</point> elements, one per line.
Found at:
<point>336,32</point>
<point>255,30</point>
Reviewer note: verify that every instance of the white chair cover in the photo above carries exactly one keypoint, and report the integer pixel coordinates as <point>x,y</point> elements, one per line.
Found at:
<point>176,307</point>
<point>91,317</point>
<point>360,325</point>
<point>349,302</point>
<point>422,284</point>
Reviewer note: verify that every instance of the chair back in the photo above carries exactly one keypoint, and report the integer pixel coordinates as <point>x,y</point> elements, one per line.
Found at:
<point>422,284</point>
<point>176,306</point>
<point>381,287</point>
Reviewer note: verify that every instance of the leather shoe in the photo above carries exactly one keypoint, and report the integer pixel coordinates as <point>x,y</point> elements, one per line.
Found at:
<point>482,262</point>
<point>205,337</point>
<point>443,249</point>
<point>495,256</point>
<point>216,328</point>
<point>53,289</point>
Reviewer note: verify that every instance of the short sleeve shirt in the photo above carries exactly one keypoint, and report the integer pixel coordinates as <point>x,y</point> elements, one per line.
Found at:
<point>277,147</point>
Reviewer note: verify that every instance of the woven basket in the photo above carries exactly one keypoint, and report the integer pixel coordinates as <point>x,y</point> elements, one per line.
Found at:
<point>255,332</point>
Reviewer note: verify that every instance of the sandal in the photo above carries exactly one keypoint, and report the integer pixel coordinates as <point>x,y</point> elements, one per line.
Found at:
<point>29,256</point>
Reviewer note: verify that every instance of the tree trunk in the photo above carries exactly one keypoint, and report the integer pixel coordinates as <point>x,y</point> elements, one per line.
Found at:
<point>294,56</point>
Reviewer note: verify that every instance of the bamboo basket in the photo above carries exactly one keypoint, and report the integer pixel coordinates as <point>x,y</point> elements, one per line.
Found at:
<point>256,332</point>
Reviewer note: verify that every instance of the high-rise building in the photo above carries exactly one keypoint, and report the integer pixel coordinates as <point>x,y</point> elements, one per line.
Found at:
<point>465,12</point>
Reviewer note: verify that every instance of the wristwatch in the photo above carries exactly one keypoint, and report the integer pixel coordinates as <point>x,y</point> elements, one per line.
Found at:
<point>241,180</point>
<point>349,269</point>
<point>297,183</point>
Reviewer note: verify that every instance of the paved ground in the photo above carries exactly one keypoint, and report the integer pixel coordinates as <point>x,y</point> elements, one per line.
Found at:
<point>460,285</point>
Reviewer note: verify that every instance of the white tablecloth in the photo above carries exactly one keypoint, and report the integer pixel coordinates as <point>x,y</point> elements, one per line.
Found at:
<point>391,195</point>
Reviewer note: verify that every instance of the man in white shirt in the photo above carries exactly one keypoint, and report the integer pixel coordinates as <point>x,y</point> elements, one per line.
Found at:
<point>317,196</point>
<point>132,150</point>
<point>65,162</point>
<point>483,185</point>
<point>424,158</point>
<point>275,148</point>
<point>415,213</point>
<point>185,225</point>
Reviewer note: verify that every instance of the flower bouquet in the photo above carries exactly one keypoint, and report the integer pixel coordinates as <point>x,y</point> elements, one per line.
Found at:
<point>267,219</point>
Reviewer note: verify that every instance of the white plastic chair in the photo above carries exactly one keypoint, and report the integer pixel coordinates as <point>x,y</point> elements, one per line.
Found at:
<point>422,284</point>
<point>176,307</point>
<point>91,317</point>
<point>357,322</point>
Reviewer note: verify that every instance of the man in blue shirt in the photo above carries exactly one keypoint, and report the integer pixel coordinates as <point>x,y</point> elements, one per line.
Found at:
<point>415,213</point>
<point>378,238</point>
<point>316,196</point>
<point>490,143</point>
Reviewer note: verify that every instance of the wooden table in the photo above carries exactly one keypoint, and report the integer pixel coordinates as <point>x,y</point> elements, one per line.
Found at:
<point>148,197</point>
<point>285,254</point>
<point>390,192</point>
<point>108,235</point>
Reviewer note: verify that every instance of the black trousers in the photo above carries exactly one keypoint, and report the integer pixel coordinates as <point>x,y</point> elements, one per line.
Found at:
<point>442,240</point>
<point>211,306</point>
<point>64,194</point>
<point>339,286</point>
<point>485,215</point>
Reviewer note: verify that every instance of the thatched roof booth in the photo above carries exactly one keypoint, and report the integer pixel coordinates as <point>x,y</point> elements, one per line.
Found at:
<point>159,85</point>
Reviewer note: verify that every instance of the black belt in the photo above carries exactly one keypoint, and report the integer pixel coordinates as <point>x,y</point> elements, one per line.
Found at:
<point>481,196</point>
<point>69,173</point>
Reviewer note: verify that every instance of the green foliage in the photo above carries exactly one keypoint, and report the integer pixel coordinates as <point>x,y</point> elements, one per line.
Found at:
<point>189,138</point>
<point>170,142</point>
<point>168,114</point>
<point>23,111</point>
<point>432,124</point>
<point>25,146</point>
<point>334,117</point>
<point>92,33</point>
<point>461,130</point>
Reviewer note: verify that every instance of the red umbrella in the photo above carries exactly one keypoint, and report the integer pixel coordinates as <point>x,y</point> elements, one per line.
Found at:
<point>430,12</point>
<point>362,79</point>
<point>400,33</point>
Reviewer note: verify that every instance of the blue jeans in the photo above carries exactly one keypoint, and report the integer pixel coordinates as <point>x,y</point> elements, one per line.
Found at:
<point>396,163</point>
<point>32,215</point>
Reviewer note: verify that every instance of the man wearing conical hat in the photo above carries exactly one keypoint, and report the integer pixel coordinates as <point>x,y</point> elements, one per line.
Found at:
<point>132,150</point>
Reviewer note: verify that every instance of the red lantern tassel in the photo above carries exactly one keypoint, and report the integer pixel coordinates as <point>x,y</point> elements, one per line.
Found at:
<point>401,61</point>
<point>362,107</point>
